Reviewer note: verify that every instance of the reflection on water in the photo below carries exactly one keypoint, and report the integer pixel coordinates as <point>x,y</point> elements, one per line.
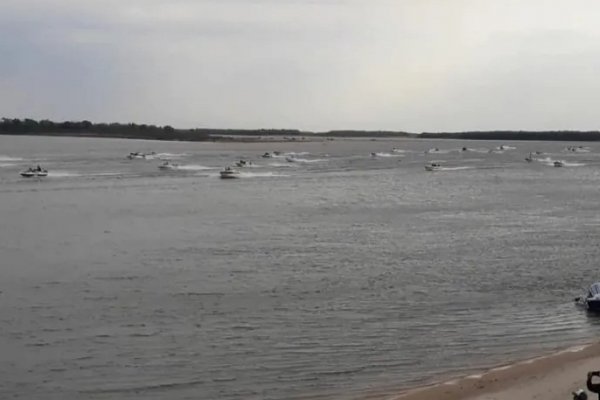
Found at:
<point>336,276</point>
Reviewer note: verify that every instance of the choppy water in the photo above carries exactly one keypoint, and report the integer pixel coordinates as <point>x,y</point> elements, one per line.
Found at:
<point>334,276</point>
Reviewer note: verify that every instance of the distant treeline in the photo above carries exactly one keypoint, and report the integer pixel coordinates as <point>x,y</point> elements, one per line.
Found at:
<point>15,126</point>
<point>516,135</point>
<point>352,133</point>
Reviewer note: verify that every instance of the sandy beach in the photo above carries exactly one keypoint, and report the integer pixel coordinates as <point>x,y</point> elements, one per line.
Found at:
<point>551,377</point>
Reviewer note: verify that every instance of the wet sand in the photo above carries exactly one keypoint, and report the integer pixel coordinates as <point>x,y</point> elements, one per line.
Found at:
<point>551,377</point>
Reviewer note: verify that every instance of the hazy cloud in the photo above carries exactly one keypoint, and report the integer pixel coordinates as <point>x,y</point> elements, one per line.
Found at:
<point>418,65</point>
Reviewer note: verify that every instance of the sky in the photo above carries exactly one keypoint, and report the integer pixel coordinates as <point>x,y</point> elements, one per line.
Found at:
<point>404,65</point>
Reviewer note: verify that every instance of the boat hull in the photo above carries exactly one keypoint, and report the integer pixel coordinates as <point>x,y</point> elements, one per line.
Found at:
<point>593,305</point>
<point>32,174</point>
<point>229,176</point>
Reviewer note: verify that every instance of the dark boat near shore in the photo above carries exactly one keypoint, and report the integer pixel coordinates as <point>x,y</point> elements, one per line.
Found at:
<point>591,301</point>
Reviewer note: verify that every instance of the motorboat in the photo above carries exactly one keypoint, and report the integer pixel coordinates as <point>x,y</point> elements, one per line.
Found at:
<point>464,149</point>
<point>373,155</point>
<point>591,301</point>
<point>31,172</point>
<point>290,159</point>
<point>529,158</point>
<point>433,167</point>
<point>267,155</point>
<point>229,173</point>
<point>242,163</point>
<point>134,155</point>
<point>558,164</point>
<point>168,166</point>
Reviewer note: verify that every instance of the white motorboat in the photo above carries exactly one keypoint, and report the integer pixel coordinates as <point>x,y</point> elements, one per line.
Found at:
<point>31,172</point>
<point>558,164</point>
<point>591,300</point>
<point>229,173</point>
<point>290,159</point>
<point>433,167</point>
<point>135,155</point>
<point>529,158</point>
<point>166,166</point>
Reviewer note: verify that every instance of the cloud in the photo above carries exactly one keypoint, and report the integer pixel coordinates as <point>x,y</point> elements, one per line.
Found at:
<point>409,65</point>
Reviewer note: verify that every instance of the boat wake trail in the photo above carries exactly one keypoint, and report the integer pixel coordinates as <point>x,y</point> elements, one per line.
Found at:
<point>282,165</point>
<point>550,162</point>
<point>454,168</point>
<point>308,161</point>
<point>73,174</point>
<point>194,167</point>
<point>387,155</point>
<point>9,159</point>
<point>260,174</point>
<point>171,155</point>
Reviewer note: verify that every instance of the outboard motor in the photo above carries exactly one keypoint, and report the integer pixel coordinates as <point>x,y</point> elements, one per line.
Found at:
<point>592,387</point>
<point>580,395</point>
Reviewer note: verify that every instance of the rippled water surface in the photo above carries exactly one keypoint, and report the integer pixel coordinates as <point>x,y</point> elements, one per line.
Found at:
<point>336,275</point>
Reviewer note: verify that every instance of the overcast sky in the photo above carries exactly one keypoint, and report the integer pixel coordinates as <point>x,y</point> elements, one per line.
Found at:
<point>415,65</point>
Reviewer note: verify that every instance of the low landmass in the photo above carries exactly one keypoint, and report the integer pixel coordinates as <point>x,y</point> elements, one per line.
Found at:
<point>15,126</point>
<point>516,135</point>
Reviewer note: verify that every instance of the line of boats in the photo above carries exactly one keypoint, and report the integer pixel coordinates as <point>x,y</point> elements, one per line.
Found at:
<point>434,166</point>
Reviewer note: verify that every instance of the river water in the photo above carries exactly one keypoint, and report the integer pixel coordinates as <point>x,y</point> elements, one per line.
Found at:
<point>335,276</point>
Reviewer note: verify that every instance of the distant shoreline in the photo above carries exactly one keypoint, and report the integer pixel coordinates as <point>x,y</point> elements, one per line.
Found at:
<point>254,137</point>
<point>32,127</point>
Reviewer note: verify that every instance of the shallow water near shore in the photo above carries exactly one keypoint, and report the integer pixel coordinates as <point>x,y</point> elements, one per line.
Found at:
<point>337,274</point>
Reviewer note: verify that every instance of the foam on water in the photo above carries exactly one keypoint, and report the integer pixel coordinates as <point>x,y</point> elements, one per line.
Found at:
<point>437,151</point>
<point>171,155</point>
<point>259,174</point>
<point>550,162</point>
<point>308,161</point>
<point>62,174</point>
<point>455,168</point>
<point>9,158</point>
<point>387,155</point>
<point>72,174</point>
<point>194,167</point>
<point>283,165</point>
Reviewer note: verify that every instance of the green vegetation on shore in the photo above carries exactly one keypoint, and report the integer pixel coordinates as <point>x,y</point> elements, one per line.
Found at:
<point>14,126</point>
